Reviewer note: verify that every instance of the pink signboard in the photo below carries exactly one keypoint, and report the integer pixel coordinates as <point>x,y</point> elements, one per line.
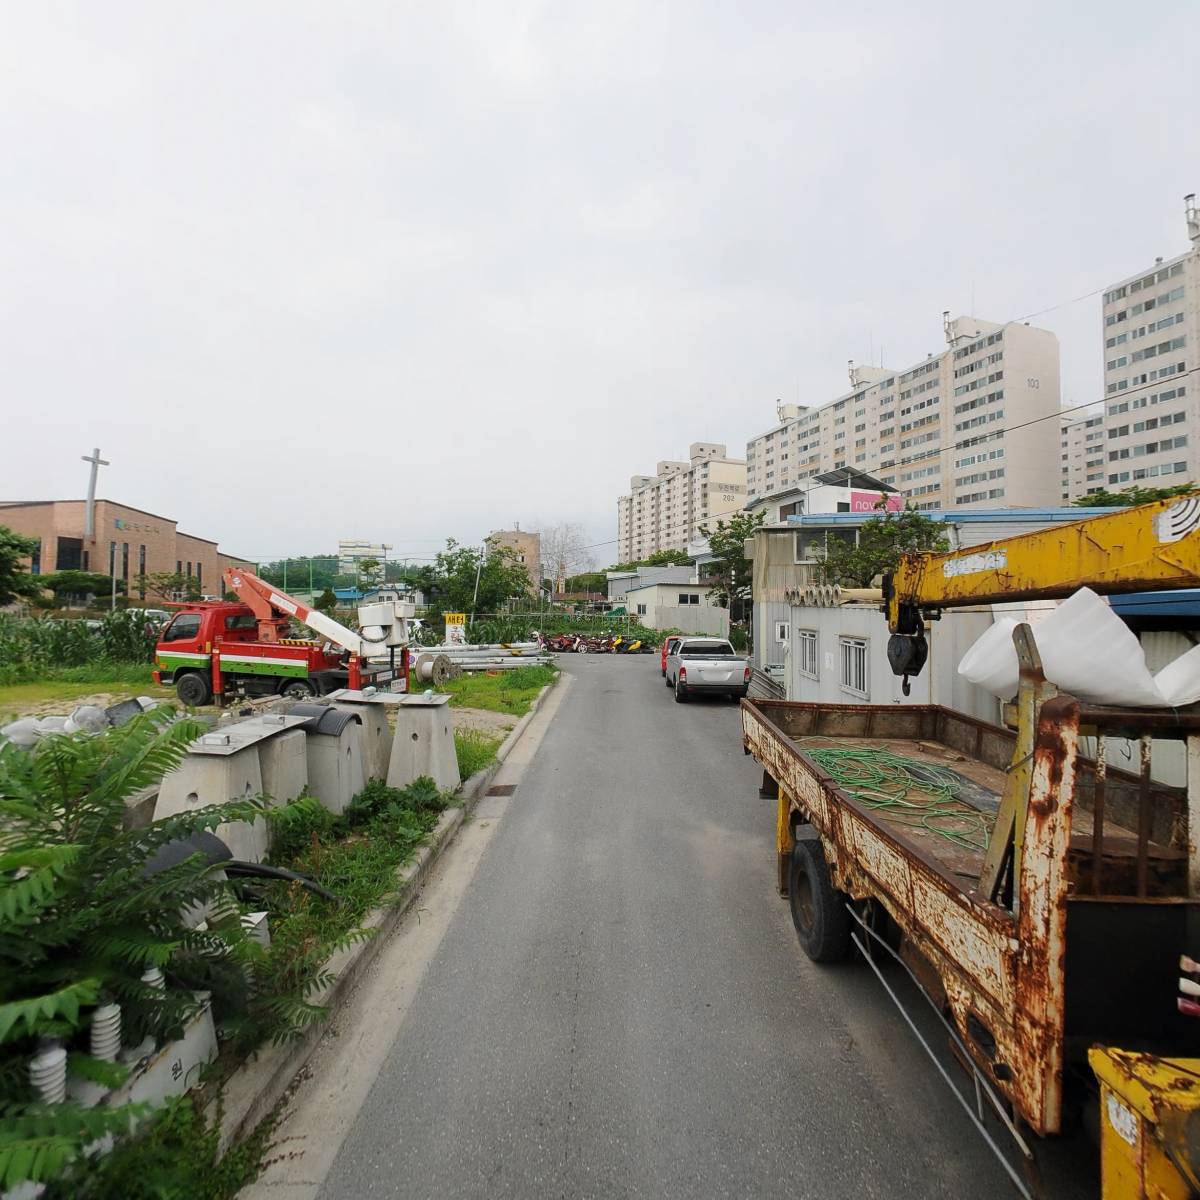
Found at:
<point>864,502</point>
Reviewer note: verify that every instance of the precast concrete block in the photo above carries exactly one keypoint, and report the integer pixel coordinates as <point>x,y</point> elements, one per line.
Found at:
<point>284,761</point>
<point>424,743</point>
<point>335,757</point>
<point>371,708</point>
<point>206,779</point>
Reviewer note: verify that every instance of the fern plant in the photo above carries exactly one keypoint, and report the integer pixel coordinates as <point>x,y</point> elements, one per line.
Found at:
<point>81,920</point>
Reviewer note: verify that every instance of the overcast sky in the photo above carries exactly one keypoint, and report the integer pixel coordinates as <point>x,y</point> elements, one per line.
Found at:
<point>403,272</point>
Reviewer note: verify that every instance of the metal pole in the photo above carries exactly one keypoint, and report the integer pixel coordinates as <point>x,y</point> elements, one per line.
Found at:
<point>310,577</point>
<point>478,571</point>
<point>112,570</point>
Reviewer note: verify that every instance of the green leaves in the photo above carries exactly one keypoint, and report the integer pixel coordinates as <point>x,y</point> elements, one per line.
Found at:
<point>19,1018</point>
<point>881,542</point>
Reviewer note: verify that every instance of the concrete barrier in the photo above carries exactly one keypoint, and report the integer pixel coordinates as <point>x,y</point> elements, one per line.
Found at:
<point>424,743</point>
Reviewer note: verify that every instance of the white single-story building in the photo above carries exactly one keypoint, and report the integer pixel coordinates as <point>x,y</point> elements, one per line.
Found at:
<point>687,607</point>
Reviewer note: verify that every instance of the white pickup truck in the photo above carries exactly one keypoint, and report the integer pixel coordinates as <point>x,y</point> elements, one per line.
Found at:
<point>699,665</point>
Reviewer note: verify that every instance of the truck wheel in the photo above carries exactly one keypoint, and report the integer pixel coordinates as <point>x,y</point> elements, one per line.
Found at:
<point>680,693</point>
<point>193,689</point>
<point>298,689</point>
<point>818,909</point>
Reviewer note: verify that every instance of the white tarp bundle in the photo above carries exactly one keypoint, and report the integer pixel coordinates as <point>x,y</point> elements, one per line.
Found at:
<point>1087,651</point>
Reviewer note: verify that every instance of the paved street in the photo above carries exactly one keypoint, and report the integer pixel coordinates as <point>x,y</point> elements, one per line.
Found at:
<point>616,1005</point>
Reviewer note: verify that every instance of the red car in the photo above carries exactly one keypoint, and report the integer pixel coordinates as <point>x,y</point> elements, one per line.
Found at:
<point>668,645</point>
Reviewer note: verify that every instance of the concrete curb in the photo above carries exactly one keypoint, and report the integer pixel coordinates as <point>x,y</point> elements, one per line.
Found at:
<point>257,1086</point>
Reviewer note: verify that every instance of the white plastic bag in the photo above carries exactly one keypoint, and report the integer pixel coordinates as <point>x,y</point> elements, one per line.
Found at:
<point>991,661</point>
<point>1089,652</point>
<point>1179,681</point>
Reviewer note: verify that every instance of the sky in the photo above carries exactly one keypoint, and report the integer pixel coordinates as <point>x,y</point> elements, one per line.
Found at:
<point>415,271</point>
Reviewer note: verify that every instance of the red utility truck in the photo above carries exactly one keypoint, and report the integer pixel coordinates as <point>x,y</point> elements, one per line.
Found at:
<point>212,649</point>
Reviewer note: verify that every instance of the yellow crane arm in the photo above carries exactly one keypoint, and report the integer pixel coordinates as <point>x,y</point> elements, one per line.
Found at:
<point>1151,547</point>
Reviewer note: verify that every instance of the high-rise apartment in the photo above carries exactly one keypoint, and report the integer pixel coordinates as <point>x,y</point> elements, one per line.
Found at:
<point>352,551</point>
<point>1151,331</point>
<point>664,511</point>
<point>1082,455</point>
<point>974,426</point>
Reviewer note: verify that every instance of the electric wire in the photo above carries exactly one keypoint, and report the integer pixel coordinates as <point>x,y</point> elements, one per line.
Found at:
<point>906,791</point>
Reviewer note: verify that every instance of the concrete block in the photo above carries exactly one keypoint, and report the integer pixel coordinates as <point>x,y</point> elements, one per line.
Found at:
<point>371,708</point>
<point>424,743</point>
<point>174,1068</point>
<point>203,779</point>
<point>335,761</point>
<point>284,762</point>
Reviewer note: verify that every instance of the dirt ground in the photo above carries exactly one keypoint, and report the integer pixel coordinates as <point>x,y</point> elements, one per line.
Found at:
<point>481,718</point>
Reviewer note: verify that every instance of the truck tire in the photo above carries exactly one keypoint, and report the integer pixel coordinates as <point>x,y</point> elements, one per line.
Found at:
<point>681,696</point>
<point>298,689</point>
<point>818,908</point>
<point>193,689</point>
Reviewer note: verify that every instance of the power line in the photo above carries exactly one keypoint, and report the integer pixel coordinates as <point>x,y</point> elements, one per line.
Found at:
<point>980,439</point>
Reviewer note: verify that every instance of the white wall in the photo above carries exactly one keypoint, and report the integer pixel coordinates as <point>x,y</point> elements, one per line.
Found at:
<point>938,683</point>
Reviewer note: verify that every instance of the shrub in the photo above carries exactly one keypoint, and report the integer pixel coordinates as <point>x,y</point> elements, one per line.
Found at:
<point>82,918</point>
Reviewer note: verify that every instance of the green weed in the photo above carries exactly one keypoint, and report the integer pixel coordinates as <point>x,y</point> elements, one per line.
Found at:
<point>475,750</point>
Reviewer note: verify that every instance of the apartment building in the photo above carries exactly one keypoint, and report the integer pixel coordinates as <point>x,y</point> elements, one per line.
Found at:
<point>351,551</point>
<point>664,511</point>
<point>527,546</point>
<point>973,426</point>
<point>1151,331</point>
<point>1083,455</point>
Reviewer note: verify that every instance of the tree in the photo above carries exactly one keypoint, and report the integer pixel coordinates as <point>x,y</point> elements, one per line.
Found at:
<point>326,602</point>
<point>370,571</point>
<point>660,558</point>
<point>449,583</point>
<point>590,581</point>
<point>1131,495</point>
<point>15,580</point>
<point>730,571</point>
<point>564,551</point>
<point>71,585</point>
<point>171,585</point>
<point>319,568</point>
<point>881,542</point>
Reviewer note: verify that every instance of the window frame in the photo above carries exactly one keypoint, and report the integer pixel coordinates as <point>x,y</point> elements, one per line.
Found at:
<point>808,641</point>
<point>854,651</point>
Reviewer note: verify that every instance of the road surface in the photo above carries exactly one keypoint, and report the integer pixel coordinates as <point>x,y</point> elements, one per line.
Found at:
<point>605,998</point>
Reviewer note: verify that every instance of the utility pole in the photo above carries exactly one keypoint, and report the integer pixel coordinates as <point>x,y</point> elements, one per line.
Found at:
<point>478,571</point>
<point>89,523</point>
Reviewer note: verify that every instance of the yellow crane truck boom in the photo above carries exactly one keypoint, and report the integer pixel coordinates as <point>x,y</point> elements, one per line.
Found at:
<point>1147,548</point>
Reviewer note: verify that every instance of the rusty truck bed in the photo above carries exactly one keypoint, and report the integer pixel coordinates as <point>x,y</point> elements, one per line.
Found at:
<point>1000,970</point>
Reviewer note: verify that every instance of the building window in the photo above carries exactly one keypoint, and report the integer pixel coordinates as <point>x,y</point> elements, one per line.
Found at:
<point>854,665</point>
<point>141,572</point>
<point>685,598</point>
<point>199,568</point>
<point>807,662</point>
<point>641,610</point>
<point>70,554</point>
<point>781,631</point>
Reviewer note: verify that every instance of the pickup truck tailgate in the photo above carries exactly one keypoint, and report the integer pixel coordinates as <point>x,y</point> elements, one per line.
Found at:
<point>714,671</point>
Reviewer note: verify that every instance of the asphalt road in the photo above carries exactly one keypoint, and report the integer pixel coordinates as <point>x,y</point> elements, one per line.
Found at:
<point>619,1007</point>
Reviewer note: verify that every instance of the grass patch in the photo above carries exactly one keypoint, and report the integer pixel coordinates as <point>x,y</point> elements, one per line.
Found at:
<point>508,691</point>
<point>475,749</point>
<point>356,857</point>
<point>70,683</point>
